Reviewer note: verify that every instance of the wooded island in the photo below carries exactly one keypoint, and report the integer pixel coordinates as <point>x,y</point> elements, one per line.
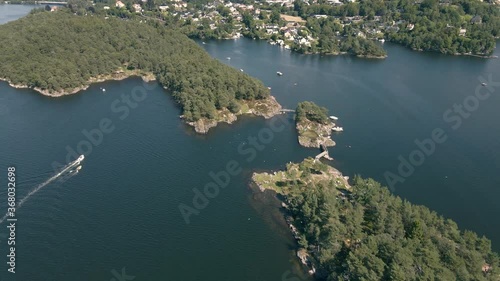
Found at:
<point>363,232</point>
<point>61,53</point>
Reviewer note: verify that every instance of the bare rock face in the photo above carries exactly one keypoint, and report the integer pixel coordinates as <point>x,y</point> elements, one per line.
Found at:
<point>202,126</point>
<point>312,134</point>
<point>227,116</point>
<point>266,108</point>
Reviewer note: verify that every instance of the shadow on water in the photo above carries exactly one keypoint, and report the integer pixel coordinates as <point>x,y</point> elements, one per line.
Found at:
<point>268,205</point>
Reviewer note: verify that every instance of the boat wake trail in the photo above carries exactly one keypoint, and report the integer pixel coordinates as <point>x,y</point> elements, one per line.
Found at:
<point>63,171</point>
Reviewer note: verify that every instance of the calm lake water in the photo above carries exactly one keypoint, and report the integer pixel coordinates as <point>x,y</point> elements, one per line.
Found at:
<point>121,211</point>
<point>13,12</point>
<point>384,106</point>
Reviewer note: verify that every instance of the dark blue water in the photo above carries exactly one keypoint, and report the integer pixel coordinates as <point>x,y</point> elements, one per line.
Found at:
<point>122,210</point>
<point>385,106</point>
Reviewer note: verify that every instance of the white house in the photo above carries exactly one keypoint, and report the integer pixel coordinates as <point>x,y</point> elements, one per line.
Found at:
<point>119,4</point>
<point>137,8</point>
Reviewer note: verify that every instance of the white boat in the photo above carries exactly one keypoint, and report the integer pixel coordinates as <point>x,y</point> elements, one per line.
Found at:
<point>484,84</point>
<point>104,90</point>
<point>75,171</point>
<point>80,159</point>
<point>269,88</point>
<point>203,43</point>
<point>228,58</point>
<point>338,129</point>
<point>279,73</point>
<point>334,117</point>
<point>382,40</point>
<point>241,70</point>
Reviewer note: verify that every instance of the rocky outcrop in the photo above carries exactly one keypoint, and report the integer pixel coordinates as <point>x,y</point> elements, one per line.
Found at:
<point>203,125</point>
<point>266,108</point>
<point>305,260</point>
<point>313,134</point>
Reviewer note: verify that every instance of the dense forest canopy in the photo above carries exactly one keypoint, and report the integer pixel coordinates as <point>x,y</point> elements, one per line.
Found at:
<point>60,51</point>
<point>366,233</point>
<point>446,26</point>
<point>312,112</point>
<point>353,27</point>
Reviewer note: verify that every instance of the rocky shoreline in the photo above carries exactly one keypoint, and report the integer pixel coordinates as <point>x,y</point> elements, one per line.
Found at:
<point>372,57</point>
<point>313,134</point>
<point>457,54</point>
<point>477,56</point>
<point>266,108</point>
<point>268,181</point>
<point>344,54</point>
<point>117,75</point>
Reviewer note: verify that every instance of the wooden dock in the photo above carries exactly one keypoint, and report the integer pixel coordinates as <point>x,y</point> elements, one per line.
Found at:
<point>323,154</point>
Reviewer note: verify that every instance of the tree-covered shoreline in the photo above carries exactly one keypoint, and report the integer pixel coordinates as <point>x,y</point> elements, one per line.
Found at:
<point>60,52</point>
<point>363,232</point>
<point>334,27</point>
<point>310,111</point>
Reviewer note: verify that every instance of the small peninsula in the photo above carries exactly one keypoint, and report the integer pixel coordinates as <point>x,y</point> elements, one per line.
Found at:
<point>313,125</point>
<point>363,232</point>
<point>60,53</point>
